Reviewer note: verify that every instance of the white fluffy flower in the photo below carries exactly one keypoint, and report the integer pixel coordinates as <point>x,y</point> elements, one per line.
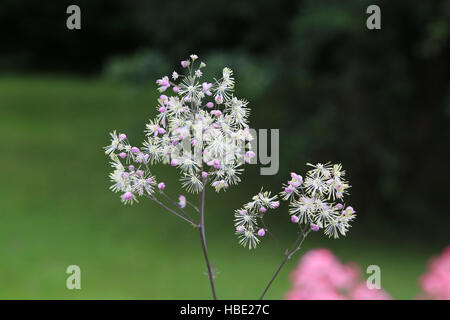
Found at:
<point>201,129</point>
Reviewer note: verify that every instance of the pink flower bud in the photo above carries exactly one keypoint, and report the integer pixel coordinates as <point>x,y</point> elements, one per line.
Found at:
<point>176,89</point>
<point>161,186</point>
<point>140,173</point>
<point>216,113</point>
<point>122,155</point>
<point>204,174</point>
<point>219,99</point>
<point>182,201</point>
<point>262,209</point>
<point>210,105</point>
<point>240,229</point>
<point>163,98</point>
<point>127,196</point>
<point>243,212</point>
<point>248,156</point>
<point>131,167</point>
<point>288,190</point>
<point>162,109</point>
<point>261,232</point>
<point>275,204</point>
<point>314,227</point>
<point>295,219</point>
<point>339,206</point>
<point>149,180</point>
<point>348,211</point>
<point>184,63</point>
<point>174,162</point>
<point>122,136</point>
<point>135,150</point>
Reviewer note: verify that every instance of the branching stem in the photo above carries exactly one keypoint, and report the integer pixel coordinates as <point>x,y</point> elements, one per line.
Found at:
<point>287,255</point>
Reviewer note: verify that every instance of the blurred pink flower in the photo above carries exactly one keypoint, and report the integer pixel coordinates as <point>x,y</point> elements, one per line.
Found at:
<point>435,283</point>
<point>320,276</point>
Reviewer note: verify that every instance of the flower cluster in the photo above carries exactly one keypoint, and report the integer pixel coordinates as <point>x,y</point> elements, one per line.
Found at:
<point>247,219</point>
<point>320,276</point>
<point>311,203</point>
<point>128,179</point>
<point>435,283</point>
<point>201,129</point>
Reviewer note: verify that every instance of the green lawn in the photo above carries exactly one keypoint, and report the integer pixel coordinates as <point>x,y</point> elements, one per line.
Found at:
<point>56,210</point>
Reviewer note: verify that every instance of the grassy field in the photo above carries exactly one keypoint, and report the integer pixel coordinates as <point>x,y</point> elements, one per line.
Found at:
<point>56,210</point>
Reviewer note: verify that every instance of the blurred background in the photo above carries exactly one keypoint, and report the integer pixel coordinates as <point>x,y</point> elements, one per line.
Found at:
<point>376,101</point>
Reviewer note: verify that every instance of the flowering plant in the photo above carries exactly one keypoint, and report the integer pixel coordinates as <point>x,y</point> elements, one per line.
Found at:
<point>435,282</point>
<point>315,204</point>
<point>321,276</point>
<point>202,130</point>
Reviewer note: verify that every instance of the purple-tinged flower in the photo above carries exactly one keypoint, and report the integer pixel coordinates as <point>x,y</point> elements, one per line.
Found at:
<point>219,99</point>
<point>149,180</point>
<point>206,86</point>
<point>339,206</point>
<point>216,164</point>
<point>243,212</point>
<point>204,174</point>
<point>122,136</point>
<point>140,173</point>
<point>216,113</point>
<point>314,227</point>
<point>248,156</point>
<point>261,232</point>
<point>160,130</point>
<point>185,63</point>
<point>164,83</point>
<point>295,219</point>
<point>262,209</point>
<point>296,181</point>
<point>131,167</point>
<point>174,162</point>
<point>210,105</point>
<point>164,99</point>
<point>219,185</point>
<point>348,211</point>
<point>162,109</point>
<point>182,201</point>
<point>176,89</point>
<point>134,150</point>
<point>122,155</point>
<point>161,186</point>
<point>274,204</point>
<point>240,229</point>
<point>127,196</point>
